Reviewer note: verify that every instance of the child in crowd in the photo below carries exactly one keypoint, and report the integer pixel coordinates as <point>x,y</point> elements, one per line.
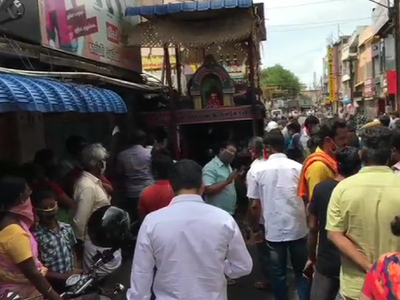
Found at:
<point>56,240</point>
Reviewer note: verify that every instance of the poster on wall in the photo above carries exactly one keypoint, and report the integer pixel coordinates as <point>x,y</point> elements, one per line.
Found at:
<point>90,29</point>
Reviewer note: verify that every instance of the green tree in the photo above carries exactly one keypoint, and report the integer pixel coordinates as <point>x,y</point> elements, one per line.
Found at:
<point>280,78</point>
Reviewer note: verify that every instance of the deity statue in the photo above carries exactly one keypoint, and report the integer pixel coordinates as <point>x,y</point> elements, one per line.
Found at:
<point>214,101</point>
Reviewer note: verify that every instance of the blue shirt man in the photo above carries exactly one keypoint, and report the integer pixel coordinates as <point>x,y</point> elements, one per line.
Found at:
<point>219,179</point>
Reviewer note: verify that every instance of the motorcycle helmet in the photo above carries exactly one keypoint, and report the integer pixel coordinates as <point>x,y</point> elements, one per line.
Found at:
<point>109,227</point>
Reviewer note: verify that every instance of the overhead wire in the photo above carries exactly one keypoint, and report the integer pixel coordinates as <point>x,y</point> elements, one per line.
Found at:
<point>319,23</point>
<point>302,4</point>
<point>312,27</point>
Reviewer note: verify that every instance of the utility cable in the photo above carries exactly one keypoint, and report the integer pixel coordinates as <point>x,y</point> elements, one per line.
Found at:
<point>334,22</point>
<point>303,4</point>
<point>308,28</point>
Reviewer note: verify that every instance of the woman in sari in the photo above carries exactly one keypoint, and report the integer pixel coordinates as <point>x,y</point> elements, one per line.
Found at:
<point>20,269</point>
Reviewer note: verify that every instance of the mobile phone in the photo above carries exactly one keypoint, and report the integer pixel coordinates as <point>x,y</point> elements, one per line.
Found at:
<point>308,272</point>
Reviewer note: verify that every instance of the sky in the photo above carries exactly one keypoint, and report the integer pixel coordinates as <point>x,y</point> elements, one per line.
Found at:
<point>297,31</point>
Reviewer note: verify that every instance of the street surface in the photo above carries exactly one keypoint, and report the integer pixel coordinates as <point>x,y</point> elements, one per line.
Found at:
<point>242,290</point>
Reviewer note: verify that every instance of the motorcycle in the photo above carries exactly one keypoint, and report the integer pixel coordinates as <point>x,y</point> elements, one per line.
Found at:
<point>89,282</point>
<point>108,227</point>
<point>78,285</point>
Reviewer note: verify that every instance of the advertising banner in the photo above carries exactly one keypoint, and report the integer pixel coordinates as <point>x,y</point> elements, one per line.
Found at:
<point>155,62</point>
<point>239,113</point>
<point>331,75</point>
<point>90,29</point>
<point>369,91</point>
<point>391,78</point>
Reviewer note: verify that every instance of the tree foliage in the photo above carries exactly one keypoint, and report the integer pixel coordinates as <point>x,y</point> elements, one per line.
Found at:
<point>280,78</point>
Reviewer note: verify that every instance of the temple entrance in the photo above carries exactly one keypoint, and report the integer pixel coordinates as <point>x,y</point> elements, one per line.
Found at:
<point>200,142</point>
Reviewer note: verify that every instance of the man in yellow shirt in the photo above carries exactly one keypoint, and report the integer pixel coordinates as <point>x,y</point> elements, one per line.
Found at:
<point>361,209</point>
<point>321,165</point>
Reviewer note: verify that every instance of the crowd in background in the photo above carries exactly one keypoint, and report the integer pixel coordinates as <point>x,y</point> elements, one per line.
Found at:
<point>323,194</point>
<point>349,183</point>
<point>45,206</point>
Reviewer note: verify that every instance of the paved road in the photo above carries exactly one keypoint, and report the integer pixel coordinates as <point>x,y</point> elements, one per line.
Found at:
<point>242,290</point>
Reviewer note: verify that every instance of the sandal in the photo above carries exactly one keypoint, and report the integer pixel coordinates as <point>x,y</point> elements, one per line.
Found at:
<point>262,285</point>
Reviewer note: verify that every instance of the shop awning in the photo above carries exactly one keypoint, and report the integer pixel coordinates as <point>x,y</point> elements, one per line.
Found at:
<point>48,95</point>
<point>189,6</point>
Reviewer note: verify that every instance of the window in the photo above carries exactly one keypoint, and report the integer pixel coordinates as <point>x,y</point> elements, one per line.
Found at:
<point>376,67</point>
<point>368,70</point>
<point>390,63</point>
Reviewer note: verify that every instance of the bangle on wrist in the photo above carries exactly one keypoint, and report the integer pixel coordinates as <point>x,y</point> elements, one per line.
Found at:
<point>49,290</point>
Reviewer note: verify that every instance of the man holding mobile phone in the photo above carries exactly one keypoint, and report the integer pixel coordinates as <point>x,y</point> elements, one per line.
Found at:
<point>219,179</point>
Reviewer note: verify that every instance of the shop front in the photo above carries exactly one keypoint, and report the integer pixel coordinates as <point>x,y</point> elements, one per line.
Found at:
<point>370,101</point>
<point>391,88</point>
<point>26,100</point>
<point>202,129</point>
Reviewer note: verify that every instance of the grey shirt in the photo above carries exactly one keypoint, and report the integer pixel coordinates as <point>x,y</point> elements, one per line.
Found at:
<point>135,163</point>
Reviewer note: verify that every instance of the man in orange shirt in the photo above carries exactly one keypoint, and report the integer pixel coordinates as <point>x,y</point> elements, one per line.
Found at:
<point>159,194</point>
<point>321,165</point>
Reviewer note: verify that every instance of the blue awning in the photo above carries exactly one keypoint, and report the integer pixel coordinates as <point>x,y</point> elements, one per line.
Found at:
<point>48,95</point>
<point>171,8</point>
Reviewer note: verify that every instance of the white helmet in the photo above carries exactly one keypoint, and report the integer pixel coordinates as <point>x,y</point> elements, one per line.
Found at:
<point>271,125</point>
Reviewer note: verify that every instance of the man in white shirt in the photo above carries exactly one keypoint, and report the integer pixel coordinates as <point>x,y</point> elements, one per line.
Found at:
<point>193,246</point>
<point>90,196</point>
<point>256,149</point>
<point>274,193</point>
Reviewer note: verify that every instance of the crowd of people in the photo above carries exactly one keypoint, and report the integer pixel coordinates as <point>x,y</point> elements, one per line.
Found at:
<point>45,206</point>
<point>322,196</point>
<point>342,238</point>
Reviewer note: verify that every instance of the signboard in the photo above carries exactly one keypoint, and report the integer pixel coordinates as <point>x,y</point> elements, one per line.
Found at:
<point>369,91</point>
<point>90,29</point>
<point>331,75</point>
<point>192,116</point>
<point>391,77</point>
<point>153,62</point>
<point>26,28</point>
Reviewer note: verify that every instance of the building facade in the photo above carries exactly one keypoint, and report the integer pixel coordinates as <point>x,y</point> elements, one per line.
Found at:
<point>65,36</point>
<point>349,60</point>
<point>364,75</point>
